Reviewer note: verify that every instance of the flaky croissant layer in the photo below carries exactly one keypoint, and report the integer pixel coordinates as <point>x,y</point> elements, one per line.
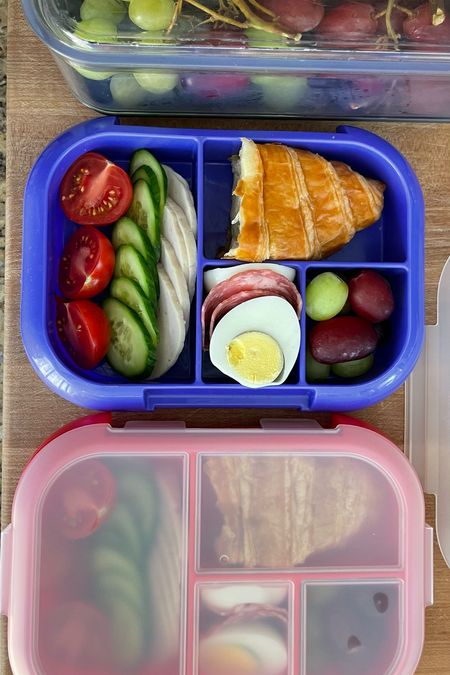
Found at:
<point>291,204</point>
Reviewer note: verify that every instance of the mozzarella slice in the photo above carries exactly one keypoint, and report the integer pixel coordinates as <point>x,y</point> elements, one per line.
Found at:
<point>189,245</point>
<point>178,190</point>
<point>172,327</point>
<point>174,271</point>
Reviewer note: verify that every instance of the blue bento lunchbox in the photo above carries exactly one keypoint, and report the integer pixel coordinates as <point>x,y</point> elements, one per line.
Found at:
<point>394,246</point>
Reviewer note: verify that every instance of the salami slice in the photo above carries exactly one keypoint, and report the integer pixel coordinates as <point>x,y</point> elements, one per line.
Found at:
<point>265,281</point>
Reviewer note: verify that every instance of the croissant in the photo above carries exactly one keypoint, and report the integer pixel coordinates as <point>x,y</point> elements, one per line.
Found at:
<point>290,203</point>
<point>276,512</point>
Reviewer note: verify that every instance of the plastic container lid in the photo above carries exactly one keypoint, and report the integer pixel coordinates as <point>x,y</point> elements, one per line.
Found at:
<point>157,550</point>
<point>323,37</point>
<point>427,414</point>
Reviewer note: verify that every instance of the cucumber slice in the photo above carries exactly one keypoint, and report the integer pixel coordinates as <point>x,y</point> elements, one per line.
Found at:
<point>122,524</point>
<point>106,560</point>
<point>128,634</point>
<point>130,352</point>
<point>141,494</point>
<point>128,291</point>
<point>130,264</point>
<point>149,176</point>
<point>145,158</point>
<point>115,585</point>
<point>127,232</point>
<point>145,212</point>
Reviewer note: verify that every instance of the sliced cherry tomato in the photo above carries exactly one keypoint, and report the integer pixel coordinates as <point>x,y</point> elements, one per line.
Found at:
<point>82,499</point>
<point>94,191</point>
<point>87,264</point>
<point>74,636</point>
<point>84,330</point>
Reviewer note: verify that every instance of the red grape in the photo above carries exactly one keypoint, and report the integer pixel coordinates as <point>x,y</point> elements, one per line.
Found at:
<point>344,338</point>
<point>371,296</point>
<point>349,21</point>
<point>429,97</point>
<point>214,85</point>
<point>419,27</point>
<point>297,16</point>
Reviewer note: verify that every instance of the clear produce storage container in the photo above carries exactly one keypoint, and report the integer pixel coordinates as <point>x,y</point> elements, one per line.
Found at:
<point>305,58</point>
<point>391,247</point>
<point>157,550</point>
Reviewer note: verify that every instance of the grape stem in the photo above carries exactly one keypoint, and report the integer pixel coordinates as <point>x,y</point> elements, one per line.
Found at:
<point>237,7</point>
<point>438,12</point>
<point>260,24</point>
<point>387,12</point>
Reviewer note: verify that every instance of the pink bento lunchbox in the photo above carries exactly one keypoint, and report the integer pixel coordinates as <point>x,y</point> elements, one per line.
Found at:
<point>159,550</point>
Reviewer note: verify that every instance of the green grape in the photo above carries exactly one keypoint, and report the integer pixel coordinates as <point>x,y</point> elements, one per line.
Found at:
<point>111,10</point>
<point>156,82</point>
<point>326,295</point>
<point>90,74</point>
<point>153,37</point>
<point>151,14</point>
<point>96,30</point>
<point>315,371</point>
<point>353,368</point>
<point>260,38</point>
<point>283,92</point>
<point>126,92</point>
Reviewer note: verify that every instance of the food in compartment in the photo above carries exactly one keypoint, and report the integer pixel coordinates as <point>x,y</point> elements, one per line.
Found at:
<point>214,276</point>
<point>326,503</point>
<point>343,338</point>
<point>151,254</point>
<point>243,649</point>
<point>87,264</point>
<point>371,296</point>
<point>345,341</point>
<point>225,598</point>
<point>243,629</point>
<point>250,324</point>
<point>84,330</point>
<point>326,296</point>
<point>94,191</point>
<point>351,628</point>
<point>289,203</point>
<point>122,610</point>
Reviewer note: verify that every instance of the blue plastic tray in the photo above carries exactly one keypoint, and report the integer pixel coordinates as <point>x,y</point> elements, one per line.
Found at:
<point>393,246</point>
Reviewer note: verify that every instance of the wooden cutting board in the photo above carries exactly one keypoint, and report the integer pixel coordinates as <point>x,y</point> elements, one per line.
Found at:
<point>40,106</point>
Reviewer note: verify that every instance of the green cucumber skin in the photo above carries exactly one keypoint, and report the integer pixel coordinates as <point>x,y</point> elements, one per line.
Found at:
<point>145,158</point>
<point>126,231</point>
<point>129,292</point>
<point>117,312</point>
<point>130,264</point>
<point>144,211</point>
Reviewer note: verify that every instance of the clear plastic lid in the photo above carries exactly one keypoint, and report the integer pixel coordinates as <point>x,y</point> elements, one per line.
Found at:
<point>166,551</point>
<point>427,414</point>
<point>267,34</point>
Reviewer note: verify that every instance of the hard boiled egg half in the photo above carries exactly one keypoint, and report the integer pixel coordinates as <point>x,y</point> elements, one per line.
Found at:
<point>257,343</point>
<point>246,648</point>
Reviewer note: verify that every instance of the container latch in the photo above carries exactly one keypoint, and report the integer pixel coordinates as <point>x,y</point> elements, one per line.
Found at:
<point>427,414</point>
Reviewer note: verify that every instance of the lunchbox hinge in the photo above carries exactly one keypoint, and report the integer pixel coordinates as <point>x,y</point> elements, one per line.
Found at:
<point>5,569</point>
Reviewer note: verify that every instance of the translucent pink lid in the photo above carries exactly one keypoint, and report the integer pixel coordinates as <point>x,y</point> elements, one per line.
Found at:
<point>160,550</point>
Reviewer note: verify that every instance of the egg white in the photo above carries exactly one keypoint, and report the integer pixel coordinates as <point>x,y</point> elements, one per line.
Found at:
<point>221,598</point>
<point>271,315</point>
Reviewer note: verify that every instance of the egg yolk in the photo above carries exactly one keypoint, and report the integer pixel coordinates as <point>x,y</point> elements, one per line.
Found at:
<point>256,357</point>
<point>228,659</point>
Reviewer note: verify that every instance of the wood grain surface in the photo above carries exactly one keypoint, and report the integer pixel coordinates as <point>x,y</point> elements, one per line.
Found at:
<point>40,106</point>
